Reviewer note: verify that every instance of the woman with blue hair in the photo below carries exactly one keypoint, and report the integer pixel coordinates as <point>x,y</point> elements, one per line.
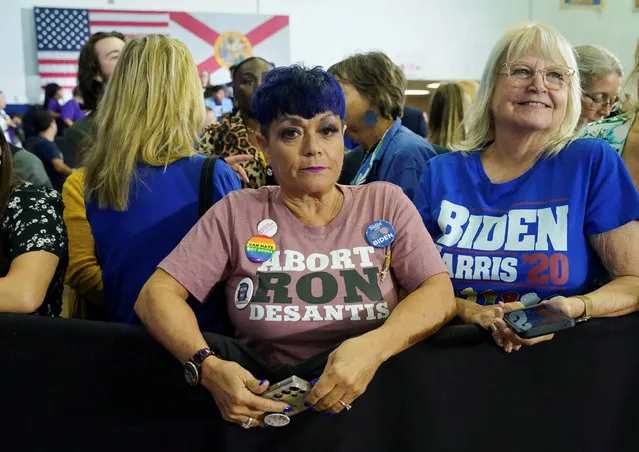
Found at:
<point>313,269</point>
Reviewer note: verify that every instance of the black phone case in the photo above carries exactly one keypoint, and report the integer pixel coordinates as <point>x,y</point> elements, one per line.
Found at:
<point>565,323</point>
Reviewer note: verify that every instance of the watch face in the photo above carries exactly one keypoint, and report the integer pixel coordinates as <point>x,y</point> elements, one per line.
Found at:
<point>191,374</point>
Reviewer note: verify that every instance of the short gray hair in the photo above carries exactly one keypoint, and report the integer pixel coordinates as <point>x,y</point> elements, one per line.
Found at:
<point>513,44</point>
<point>594,63</point>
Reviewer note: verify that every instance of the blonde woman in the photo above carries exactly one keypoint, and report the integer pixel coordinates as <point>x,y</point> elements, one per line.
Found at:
<point>142,176</point>
<point>601,74</point>
<point>447,108</point>
<point>622,131</point>
<point>527,214</point>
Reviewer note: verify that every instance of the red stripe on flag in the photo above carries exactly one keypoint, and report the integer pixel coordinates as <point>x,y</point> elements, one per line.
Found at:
<point>195,26</point>
<point>58,74</point>
<point>125,11</point>
<point>267,29</point>
<point>123,23</point>
<point>211,65</point>
<point>48,61</point>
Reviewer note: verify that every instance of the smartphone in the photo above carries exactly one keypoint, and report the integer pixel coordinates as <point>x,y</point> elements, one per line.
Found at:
<point>537,320</point>
<point>292,391</point>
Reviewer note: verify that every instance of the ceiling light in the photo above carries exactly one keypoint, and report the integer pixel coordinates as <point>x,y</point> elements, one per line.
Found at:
<point>433,85</point>
<point>416,92</point>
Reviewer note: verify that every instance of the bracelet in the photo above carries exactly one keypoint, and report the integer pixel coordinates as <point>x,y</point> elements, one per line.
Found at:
<point>587,308</point>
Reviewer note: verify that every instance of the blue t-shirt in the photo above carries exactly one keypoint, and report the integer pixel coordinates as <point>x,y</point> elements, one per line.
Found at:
<point>163,207</point>
<point>401,159</point>
<point>47,151</point>
<point>526,239</point>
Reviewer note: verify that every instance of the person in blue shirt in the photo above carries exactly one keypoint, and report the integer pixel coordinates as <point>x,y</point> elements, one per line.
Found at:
<point>143,176</point>
<point>215,99</point>
<point>527,214</point>
<point>45,148</point>
<point>374,88</point>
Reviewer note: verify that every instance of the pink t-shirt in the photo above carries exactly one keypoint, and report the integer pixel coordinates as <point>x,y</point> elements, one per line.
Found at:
<point>322,285</point>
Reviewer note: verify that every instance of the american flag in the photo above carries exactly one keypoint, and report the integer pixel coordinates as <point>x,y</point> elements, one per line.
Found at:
<point>61,32</point>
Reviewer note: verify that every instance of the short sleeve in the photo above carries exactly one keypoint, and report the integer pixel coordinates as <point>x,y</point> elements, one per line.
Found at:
<point>423,200</point>
<point>612,199</point>
<point>225,181</point>
<point>33,222</point>
<point>203,256</point>
<point>414,257</point>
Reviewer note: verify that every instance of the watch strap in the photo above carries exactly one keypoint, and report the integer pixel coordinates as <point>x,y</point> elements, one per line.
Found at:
<point>587,308</point>
<point>199,356</point>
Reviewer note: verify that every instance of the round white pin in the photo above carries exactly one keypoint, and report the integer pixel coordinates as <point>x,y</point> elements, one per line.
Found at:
<point>243,293</point>
<point>267,227</point>
<point>277,420</point>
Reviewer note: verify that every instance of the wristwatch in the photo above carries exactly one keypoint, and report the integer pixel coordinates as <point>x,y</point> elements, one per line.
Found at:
<point>193,367</point>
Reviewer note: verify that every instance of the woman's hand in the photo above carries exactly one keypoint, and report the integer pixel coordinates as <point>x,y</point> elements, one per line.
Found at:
<point>237,392</point>
<point>349,370</point>
<point>234,162</point>
<point>510,341</point>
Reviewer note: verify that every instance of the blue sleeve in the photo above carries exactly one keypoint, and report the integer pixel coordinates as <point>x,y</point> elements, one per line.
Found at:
<point>46,151</point>
<point>423,200</point>
<point>225,181</point>
<point>406,168</point>
<point>612,198</point>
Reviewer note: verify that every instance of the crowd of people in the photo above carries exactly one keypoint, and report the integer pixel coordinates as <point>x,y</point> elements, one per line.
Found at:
<point>186,211</point>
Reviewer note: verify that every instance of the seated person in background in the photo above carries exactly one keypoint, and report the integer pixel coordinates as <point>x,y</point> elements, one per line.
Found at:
<point>28,167</point>
<point>527,214</point>
<point>143,177</point>
<point>235,134</point>
<point>447,109</point>
<point>9,127</point>
<point>33,244</point>
<point>52,103</point>
<point>374,88</point>
<point>96,63</point>
<point>622,131</point>
<point>215,98</point>
<point>600,73</point>
<point>415,121</point>
<point>72,110</point>
<point>45,148</point>
<point>340,288</point>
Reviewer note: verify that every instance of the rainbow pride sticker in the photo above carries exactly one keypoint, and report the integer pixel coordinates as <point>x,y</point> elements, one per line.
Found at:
<point>260,248</point>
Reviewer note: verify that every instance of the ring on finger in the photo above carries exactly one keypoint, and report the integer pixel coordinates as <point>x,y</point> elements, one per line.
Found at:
<point>492,328</point>
<point>247,424</point>
<point>345,405</point>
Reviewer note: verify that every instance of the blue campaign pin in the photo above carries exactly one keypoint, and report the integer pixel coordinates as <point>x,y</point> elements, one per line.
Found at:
<point>380,234</point>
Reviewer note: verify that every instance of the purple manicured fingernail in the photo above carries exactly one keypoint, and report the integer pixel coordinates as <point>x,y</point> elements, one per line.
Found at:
<point>306,404</point>
<point>314,381</point>
<point>262,382</point>
<point>329,414</point>
<point>287,410</point>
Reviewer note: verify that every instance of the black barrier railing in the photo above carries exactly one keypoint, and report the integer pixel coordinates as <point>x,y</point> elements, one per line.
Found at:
<point>78,385</point>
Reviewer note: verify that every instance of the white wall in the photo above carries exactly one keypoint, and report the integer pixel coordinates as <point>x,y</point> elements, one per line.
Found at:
<point>439,39</point>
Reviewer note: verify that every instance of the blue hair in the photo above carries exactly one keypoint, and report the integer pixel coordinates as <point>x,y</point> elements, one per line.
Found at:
<point>296,90</point>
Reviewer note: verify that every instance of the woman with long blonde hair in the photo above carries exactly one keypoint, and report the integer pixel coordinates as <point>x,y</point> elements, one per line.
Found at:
<point>143,175</point>
<point>447,108</point>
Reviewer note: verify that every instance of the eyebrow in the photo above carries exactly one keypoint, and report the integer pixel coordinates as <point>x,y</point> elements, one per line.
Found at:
<point>113,51</point>
<point>298,120</point>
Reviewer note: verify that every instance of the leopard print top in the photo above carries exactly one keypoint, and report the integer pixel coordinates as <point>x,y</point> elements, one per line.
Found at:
<point>230,137</point>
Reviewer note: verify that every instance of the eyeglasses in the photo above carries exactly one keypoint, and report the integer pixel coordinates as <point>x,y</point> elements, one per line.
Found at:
<point>555,78</point>
<point>599,102</point>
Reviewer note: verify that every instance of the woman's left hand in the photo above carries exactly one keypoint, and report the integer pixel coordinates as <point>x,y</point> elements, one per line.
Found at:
<point>349,370</point>
<point>234,162</point>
